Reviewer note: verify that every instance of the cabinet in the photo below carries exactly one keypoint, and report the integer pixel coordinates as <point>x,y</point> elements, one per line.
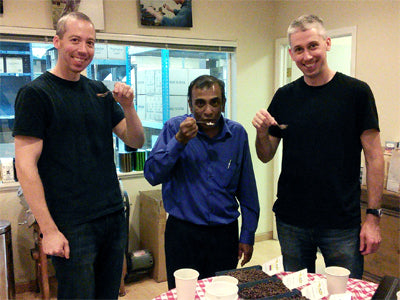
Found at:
<point>110,64</point>
<point>15,59</point>
<point>387,260</point>
<point>20,63</point>
<point>15,71</point>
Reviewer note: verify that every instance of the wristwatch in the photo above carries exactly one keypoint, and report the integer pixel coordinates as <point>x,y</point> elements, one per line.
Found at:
<point>375,211</point>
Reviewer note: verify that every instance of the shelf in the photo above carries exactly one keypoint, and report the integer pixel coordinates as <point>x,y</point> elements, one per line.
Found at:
<point>113,62</point>
<point>155,125</point>
<point>7,117</point>
<point>14,52</point>
<point>15,74</point>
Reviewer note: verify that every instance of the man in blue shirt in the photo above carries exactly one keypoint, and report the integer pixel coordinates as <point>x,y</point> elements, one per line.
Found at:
<point>204,164</point>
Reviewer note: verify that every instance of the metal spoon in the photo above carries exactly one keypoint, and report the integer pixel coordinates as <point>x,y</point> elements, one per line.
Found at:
<point>102,95</point>
<point>276,130</point>
<point>208,123</point>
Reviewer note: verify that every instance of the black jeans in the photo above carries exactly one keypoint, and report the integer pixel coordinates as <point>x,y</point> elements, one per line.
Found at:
<point>94,268</point>
<point>207,249</point>
<point>339,247</point>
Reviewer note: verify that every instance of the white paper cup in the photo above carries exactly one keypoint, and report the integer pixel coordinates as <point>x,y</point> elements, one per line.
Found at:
<point>398,295</point>
<point>226,278</point>
<point>337,278</point>
<point>185,281</point>
<point>221,290</point>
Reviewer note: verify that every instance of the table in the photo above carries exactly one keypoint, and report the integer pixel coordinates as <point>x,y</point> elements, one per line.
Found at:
<point>360,289</point>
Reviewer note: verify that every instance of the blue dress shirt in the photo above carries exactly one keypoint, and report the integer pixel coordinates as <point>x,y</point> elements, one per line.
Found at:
<point>204,181</point>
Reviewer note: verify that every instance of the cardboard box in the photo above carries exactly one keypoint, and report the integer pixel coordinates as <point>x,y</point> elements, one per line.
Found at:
<point>152,221</point>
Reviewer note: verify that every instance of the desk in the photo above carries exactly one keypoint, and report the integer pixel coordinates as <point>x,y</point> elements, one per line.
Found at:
<point>387,260</point>
<point>360,289</point>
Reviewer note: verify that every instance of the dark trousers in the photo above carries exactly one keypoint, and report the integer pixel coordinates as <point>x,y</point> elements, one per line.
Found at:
<point>207,249</point>
<point>94,268</point>
<point>339,247</point>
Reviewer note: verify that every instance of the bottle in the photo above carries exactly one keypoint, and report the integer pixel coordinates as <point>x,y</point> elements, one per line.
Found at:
<point>115,146</point>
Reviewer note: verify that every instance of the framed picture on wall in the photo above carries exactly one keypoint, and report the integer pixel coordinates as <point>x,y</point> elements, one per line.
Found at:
<point>92,8</point>
<point>173,13</point>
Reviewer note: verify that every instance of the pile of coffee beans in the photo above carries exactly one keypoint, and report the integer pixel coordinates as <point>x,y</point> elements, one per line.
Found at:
<point>247,275</point>
<point>263,289</point>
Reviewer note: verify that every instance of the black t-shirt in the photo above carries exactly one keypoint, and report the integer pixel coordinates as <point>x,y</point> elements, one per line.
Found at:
<point>320,180</point>
<point>77,161</point>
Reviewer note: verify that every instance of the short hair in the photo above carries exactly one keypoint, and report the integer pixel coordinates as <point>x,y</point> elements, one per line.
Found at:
<point>62,22</point>
<point>206,81</point>
<point>307,22</point>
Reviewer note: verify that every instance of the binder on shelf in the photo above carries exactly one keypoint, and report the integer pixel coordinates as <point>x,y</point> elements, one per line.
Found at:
<point>14,64</point>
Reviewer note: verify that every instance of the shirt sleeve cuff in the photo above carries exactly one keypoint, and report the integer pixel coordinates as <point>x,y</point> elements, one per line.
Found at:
<point>246,237</point>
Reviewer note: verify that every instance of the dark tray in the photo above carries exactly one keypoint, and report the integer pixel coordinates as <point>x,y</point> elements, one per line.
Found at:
<point>281,296</point>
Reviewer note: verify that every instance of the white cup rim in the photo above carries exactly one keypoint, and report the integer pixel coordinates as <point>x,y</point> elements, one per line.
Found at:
<point>337,271</point>
<point>221,289</point>
<point>186,274</point>
<point>225,278</point>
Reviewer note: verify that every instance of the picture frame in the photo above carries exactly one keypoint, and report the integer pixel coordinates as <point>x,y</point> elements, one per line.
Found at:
<point>171,13</point>
<point>92,8</point>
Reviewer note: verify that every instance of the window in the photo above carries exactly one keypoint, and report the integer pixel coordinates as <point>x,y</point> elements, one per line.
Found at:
<point>160,77</point>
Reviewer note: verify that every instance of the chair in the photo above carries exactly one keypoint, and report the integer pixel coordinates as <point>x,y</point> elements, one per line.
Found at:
<point>41,266</point>
<point>37,253</point>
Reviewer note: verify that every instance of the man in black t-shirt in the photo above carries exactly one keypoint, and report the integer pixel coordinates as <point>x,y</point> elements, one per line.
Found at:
<point>65,164</point>
<point>330,118</point>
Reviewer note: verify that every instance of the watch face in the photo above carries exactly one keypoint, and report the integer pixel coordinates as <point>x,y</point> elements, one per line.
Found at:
<point>373,211</point>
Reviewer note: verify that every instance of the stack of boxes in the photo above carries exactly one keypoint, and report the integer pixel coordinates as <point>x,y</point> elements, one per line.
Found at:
<point>149,89</point>
<point>152,219</point>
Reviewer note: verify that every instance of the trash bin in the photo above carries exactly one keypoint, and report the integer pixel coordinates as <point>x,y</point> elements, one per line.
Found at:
<point>7,284</point>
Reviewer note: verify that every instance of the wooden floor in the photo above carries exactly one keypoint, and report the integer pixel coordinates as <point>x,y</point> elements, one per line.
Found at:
<point>147,288</point>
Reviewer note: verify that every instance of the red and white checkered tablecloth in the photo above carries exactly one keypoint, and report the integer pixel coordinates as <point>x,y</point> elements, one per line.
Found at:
<point>200,291</point>
<point>360,289</point>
